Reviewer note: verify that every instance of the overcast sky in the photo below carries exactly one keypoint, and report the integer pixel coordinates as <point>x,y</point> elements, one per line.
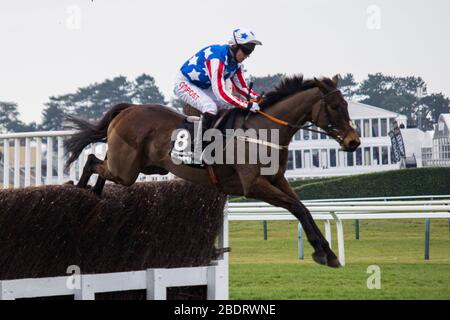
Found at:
<point>53,47</point>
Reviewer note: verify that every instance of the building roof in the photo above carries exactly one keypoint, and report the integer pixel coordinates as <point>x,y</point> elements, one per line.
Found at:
<point>362,110</point>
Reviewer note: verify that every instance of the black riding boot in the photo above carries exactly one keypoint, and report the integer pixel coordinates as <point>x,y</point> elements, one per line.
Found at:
<point>207,121</point>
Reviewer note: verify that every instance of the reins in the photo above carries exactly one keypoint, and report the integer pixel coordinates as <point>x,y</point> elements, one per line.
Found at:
<point>323,105</point>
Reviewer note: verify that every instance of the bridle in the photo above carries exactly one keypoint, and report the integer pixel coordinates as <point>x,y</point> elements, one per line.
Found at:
<point>324,107</point>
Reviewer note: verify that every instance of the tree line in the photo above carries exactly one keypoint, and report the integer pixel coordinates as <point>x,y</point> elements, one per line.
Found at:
<point>397,94</point>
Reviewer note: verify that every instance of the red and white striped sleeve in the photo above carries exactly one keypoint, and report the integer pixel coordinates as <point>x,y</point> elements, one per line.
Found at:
<point>241,85</point>
<point>216,70</point>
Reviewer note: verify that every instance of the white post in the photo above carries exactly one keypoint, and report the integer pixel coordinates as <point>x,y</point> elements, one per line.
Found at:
<point>72,172</point>
<point>93,177</point>
<point>5,163</point>
<point>216,288</point>
<point>60,160</point>
<point>38,181</point>
<point>340,238</point>
<point>223,263</point>
<point>328,231</point>
<point>27,162</point>
<point>16,163</point>
<point>156,290</point>
<point>49,160</point>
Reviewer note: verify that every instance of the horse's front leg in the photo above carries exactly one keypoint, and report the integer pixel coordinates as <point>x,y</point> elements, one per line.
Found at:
<point>332,259</point>
<point>262,189</point>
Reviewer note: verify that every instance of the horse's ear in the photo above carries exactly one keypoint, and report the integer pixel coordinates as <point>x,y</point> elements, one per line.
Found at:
<point>319,84</point>
<point>336,79</point>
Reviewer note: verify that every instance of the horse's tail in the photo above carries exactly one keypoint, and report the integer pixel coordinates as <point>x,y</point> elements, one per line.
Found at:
<point>89,132</point>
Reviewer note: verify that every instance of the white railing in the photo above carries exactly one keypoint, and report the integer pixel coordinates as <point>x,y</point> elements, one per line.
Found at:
<point>154,281</point>
<point>37,158</point>
<point>328,211</point>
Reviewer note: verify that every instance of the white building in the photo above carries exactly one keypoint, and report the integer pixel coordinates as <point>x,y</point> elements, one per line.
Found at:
<point>316,155</point>
<point>435,146</point>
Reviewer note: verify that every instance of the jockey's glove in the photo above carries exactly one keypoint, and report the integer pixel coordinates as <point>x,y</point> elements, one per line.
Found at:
<point>253,107</point>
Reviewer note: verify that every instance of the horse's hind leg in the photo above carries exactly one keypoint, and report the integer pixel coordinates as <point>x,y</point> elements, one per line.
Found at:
<point>98,187</point>
<point>88,170</point>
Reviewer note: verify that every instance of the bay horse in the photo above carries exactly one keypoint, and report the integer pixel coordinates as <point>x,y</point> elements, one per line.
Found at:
<point>139,140</point>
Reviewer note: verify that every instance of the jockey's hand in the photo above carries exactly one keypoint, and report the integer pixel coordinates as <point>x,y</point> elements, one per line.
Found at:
<point>253,107</point>
<point>258,99</point>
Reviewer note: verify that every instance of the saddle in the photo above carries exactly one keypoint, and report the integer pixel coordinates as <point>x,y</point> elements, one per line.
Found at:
<point>188,144</point>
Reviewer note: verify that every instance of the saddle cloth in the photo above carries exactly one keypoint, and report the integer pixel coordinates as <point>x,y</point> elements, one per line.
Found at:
<point>188,145</point>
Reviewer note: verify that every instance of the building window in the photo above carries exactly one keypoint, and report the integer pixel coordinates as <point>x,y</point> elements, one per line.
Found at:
<point>374,127</point>
<point>290,165</point>
<point>367,161</point>
<point>298,159</point>
<point>350,159</point>
<point>315,158</point>
<point>366,128</point>
<point>305,135</point>
<point>376,155</point>
<point>332,157</point>
<point>298,135</point>
<point>358,127</point>
<point>384,155</point>
<point>358,157</point>
<point>323,136</point>
<point>314,135</point>
<point>391,123</point>
<point>384,129</point>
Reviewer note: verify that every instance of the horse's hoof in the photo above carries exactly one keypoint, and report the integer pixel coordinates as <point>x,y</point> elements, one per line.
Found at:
<point>333,263</point>
<point>320,258</point>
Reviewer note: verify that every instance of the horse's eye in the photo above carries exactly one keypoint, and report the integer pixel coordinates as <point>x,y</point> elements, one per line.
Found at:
<point>334,106</point>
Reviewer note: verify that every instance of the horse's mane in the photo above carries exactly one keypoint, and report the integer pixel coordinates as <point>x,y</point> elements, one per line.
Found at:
<point>290,85</point>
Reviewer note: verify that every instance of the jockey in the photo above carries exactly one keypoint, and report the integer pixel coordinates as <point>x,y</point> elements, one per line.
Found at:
<point>205,79</point>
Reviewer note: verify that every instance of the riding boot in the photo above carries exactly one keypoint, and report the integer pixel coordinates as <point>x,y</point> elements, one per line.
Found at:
<point>207,120</point>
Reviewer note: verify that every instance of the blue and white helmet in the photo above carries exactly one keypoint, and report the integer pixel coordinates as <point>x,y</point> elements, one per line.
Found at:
<point>243,36</point>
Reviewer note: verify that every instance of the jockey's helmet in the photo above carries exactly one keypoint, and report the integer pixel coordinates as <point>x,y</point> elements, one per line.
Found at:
<point>244,39</point>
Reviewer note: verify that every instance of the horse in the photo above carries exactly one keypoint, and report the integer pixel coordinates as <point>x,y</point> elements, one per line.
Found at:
<point>139,141</point>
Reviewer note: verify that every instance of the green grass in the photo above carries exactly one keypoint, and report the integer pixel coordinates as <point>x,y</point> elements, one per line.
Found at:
<point>271,270</point>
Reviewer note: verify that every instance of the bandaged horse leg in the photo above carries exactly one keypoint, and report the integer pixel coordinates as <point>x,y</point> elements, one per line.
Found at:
<point>263,190</point>
<point>332,260</point>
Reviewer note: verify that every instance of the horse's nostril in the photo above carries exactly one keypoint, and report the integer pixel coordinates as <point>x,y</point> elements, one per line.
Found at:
<point>354,144</point>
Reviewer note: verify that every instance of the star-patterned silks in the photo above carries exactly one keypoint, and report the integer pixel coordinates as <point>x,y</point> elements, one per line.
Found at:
<point>207,52</point>
<point>244,36</point>
<point>195,68</point>
<point>194,75</point>
<point>193,60</point>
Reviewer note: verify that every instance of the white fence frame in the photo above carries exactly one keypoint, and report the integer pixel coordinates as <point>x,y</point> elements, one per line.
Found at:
<point>328,211</point>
